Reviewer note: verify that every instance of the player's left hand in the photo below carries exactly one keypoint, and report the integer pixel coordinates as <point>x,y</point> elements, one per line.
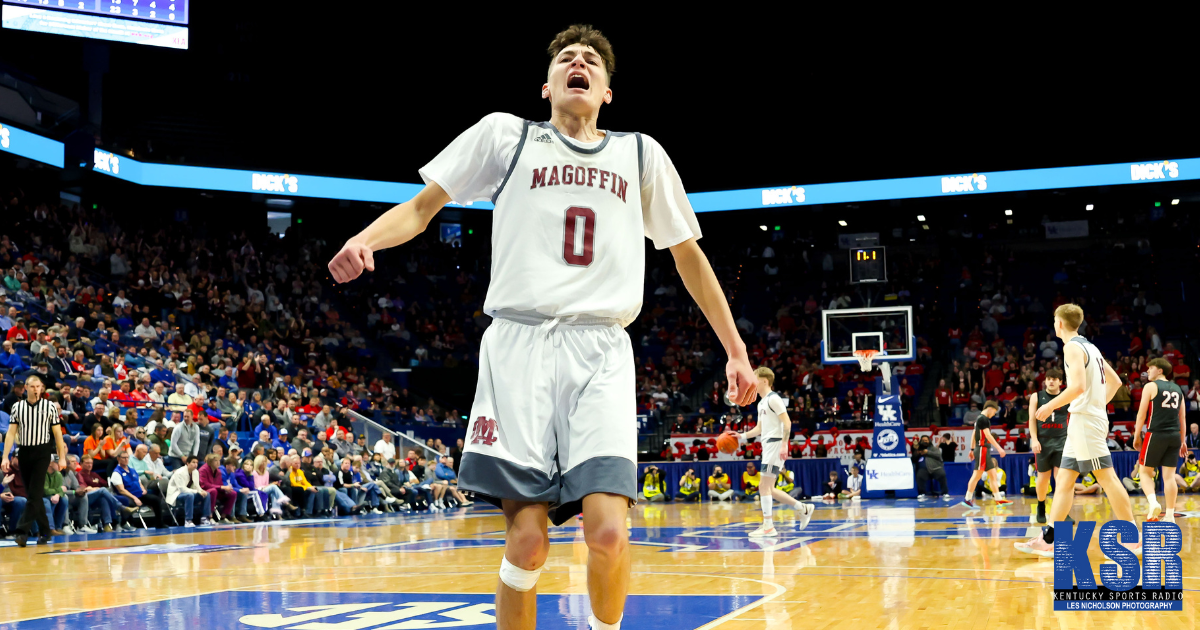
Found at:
<point>1137,442</point>
<point>742,383</point>
<point>1043,412</point>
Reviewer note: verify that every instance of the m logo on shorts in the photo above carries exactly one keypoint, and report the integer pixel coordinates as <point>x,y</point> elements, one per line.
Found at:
<point>484,431</point>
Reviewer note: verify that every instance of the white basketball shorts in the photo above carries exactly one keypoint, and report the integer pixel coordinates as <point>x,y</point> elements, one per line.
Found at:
<point>1086,449</point>
<point>771,464</point>
<point>555,415</point>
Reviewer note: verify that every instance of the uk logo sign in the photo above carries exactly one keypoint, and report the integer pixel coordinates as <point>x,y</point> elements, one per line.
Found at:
<point>4,137</point>
<point>1161,570</point>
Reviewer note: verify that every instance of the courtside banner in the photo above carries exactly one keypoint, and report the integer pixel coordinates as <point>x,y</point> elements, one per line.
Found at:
<point>889,473</point>
<point>889,467</point>
<point>889,429</point>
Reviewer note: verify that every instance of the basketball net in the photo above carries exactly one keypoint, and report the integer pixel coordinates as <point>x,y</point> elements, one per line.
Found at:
<point>865,357</point>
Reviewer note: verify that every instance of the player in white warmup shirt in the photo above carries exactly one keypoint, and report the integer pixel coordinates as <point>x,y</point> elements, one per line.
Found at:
<point>1091,383</point>
<point>553,428</point>
<point>774,429</point>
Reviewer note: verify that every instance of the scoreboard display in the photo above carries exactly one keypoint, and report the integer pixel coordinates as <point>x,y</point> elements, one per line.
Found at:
<point>171,11</point>
<point>868,264</point>
<point>160,23</point>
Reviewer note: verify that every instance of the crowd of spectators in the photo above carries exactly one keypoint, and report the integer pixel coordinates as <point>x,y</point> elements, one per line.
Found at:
<point>1004,353</point>
<point>162,345</point>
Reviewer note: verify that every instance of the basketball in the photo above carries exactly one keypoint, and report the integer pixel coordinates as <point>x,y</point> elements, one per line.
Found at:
<point>727,443</point>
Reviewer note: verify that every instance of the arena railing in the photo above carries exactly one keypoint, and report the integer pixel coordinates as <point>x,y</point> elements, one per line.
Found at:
<point>373,430</point>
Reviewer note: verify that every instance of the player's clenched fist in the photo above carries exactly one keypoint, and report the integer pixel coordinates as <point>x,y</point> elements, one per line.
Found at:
<point>350,262</point>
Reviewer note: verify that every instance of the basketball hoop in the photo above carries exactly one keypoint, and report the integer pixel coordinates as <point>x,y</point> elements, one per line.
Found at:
<point>864,358</point>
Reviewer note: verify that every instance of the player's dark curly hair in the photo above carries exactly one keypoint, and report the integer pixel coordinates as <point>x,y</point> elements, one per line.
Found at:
<point>588,36</point>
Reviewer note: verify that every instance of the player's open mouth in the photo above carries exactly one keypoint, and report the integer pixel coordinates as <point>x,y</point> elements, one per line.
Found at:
<point>577,80</point>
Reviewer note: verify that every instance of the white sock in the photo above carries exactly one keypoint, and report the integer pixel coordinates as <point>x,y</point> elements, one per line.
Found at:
<point>768,523</point>
<point>765,499</point>
<point>1170,511</point>
<point>596,624</point>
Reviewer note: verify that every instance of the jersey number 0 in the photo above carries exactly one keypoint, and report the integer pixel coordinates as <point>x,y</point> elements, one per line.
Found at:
<point>578,236</point>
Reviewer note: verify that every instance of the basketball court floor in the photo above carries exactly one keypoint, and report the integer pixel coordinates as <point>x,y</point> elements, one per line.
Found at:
<point>877,564</point>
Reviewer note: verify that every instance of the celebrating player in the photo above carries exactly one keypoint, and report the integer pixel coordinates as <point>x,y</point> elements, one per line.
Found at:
<point>1163,442</point>
<point>553,429</point>
<point>1091,383</point>
<point>775,428</point>
<point>979,454</point>
<point>1047,438</point>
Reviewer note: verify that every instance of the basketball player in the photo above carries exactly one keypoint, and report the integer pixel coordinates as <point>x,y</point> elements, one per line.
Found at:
<point>553,428</point>
<point>1048,438</point>
<point>775,427</point>
<point>980,437</point>
<point>1163,444</point>
<point>1091,383</point>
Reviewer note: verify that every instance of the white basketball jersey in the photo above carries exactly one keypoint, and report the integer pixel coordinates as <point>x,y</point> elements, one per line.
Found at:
<point>567,235</point>
<point>1093,402</point>
<point>770,409</point>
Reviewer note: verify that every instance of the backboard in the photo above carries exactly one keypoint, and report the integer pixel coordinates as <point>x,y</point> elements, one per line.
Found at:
<point>885,328</point>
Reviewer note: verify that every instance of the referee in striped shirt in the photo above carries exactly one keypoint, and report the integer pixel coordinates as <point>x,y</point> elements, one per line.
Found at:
<point>36,426</point>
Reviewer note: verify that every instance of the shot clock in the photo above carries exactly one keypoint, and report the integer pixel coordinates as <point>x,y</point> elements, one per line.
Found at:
<point>868,264</point>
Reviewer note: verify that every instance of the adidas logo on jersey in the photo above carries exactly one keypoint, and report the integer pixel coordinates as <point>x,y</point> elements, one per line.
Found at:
<point>545,137</point>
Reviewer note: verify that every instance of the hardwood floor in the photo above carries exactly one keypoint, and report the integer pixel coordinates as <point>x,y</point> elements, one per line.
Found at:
<point>877,564</point>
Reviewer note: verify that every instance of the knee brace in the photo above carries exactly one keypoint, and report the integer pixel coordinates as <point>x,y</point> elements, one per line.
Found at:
<point>516,578</point>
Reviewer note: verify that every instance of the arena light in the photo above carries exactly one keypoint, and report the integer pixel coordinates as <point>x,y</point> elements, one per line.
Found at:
<point>921,217</point>
<point>926,226</point>
<point>1174,202</point>
<point>1090,207</point>
<point>763,228</point>
<point>842,223</point>
<point>1008,213</point>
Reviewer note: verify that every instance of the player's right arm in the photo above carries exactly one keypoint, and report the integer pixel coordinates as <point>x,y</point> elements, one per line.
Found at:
<point>1034,444</point>
<point>991,438</point>
<point>471,168</point>
<point>1143,412</point>
<point>395,227</point>
<point>755,432</point>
